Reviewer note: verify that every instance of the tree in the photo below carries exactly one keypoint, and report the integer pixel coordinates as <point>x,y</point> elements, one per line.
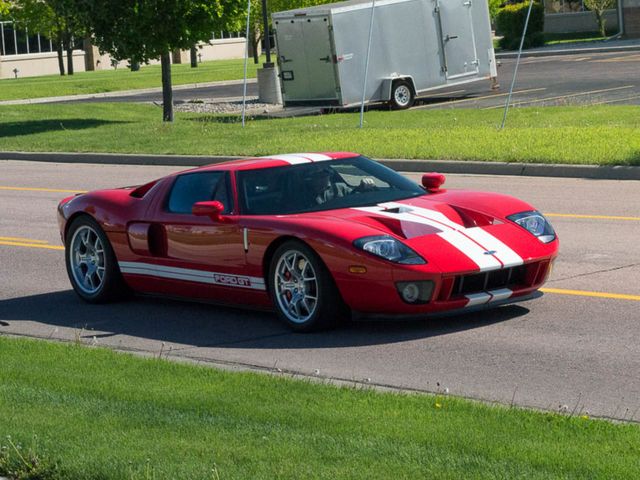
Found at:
<point>143,30</point>
<point>598,7</point>
<point>4,8</point>
<point>56,18</point>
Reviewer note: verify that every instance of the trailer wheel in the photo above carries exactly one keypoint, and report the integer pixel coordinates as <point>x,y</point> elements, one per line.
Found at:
<point>402,96</point>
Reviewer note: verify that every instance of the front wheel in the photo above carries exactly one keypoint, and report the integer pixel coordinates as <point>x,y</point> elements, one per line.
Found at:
<point>302,289</point>
<point>91,263</point>
<point>402,96</point>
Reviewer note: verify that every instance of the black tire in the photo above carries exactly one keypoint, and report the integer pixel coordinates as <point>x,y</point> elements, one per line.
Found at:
<point>93,260</point>
<point>402,95</point>
<point>328,309</point>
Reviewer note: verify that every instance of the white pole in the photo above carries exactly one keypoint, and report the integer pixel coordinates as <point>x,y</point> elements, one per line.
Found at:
<point>366,65</point>
<point>515,72</point>
<point>246,58</point>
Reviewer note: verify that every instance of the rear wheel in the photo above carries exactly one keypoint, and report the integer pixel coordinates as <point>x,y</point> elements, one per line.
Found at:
<point>302,289</point>
<point>402,96</point>
<point>91,263</point>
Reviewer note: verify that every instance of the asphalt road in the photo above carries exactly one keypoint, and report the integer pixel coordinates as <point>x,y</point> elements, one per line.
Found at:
<point>597,78</point>
<point>563,349</point>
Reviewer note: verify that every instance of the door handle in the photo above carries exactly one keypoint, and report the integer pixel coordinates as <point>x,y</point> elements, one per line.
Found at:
<point>284,59</point>
<point>326,59</point>
<point>450,37</point>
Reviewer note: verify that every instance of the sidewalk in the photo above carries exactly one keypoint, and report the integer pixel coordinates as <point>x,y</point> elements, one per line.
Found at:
<point>577,48</point>
<point>122,93</point>
<point>607,172</point>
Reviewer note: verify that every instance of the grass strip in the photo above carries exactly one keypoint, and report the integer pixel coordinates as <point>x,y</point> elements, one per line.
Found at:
<point>591,135</point>
<point>102,81</point>
<point>85,413</point>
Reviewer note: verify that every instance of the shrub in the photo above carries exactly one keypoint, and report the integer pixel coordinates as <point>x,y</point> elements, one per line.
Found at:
<point>510,23</point>
<point>494,9</point>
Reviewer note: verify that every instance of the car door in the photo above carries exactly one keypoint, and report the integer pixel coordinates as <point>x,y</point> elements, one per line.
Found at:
<point>195,255</point>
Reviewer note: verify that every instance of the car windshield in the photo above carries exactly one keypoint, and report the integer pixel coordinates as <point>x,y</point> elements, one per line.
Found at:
<point>317,186</point>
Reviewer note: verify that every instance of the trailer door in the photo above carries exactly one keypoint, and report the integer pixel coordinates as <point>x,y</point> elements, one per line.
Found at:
<point>458,42</point>
<point>306,59</point>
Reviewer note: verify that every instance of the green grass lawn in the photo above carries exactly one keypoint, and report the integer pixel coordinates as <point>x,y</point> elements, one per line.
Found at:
<point>600,135</point>
<point>122,79</point>
<point>85,413</point>
<point>555,38</point>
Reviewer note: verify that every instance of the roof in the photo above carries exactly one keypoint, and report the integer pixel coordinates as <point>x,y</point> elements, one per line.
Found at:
<point>283,160</point>
<point>337,7</point>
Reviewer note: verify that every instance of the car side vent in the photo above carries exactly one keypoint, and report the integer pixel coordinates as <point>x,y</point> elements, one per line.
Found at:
<point>142,190</point>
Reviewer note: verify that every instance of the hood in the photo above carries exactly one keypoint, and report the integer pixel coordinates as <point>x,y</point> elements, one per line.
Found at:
<point>452,235</point>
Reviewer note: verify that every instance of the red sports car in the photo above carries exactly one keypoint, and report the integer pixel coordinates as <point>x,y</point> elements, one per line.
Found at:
<point>317,236</point>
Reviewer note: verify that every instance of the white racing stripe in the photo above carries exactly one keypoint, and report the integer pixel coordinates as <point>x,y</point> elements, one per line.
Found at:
<point>505,254</point>
<point>291,159</point>
<point>477,299</point>
<point>187,274</point>
<point>501,294</point>
<point>315,157</point>
<point>298,158</point>
<point>491,296</point>
<point>450,231</point>
<point>471,249</point>
<point>482,241</point>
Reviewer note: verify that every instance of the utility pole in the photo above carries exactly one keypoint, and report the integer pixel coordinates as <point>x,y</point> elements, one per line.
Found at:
<point>267,40</point>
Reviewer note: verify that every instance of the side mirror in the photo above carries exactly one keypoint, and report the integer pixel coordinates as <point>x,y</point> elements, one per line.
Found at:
<point>432,181</point>
<point>213,210</point>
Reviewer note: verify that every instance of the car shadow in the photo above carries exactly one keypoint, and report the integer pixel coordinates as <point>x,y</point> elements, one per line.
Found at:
<point>30,127</point>
<point>204,325</point>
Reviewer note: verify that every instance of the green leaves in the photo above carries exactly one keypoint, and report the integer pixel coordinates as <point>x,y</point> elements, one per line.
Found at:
<point>145,29</point>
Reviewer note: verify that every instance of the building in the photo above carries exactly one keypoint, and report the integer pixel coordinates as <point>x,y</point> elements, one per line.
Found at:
<point>25,54</point>
<point>571,16</point>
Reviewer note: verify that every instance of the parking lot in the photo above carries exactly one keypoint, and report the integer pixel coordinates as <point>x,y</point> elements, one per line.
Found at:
<point>585,79</point>
<point>577,347</point>
<point>589,79</point>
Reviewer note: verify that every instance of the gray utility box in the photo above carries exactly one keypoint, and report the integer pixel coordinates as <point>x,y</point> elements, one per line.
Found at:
<point>417,46</point>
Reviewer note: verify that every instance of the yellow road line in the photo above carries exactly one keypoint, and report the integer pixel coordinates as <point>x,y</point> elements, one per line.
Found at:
<point>473,99</point>
<point>595,217</point>
<point>31,245</point>
<point>445,93</point>
<point>34,189</point>
<point>616,100</point>
<point>546,99</point>
<point>21,239</point>
<point>628,58</point>
<point>583,293</point>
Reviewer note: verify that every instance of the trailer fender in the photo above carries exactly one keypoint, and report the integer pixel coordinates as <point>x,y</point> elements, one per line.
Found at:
<point>387,83</point>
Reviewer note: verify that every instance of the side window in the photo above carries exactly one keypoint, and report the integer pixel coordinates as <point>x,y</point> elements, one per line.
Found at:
<point>199,187</point>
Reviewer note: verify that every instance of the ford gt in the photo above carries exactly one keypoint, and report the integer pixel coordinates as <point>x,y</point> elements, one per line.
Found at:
<point>317,237</point>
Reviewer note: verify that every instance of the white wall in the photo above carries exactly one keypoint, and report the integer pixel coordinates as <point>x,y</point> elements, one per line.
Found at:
<point>35,64</point>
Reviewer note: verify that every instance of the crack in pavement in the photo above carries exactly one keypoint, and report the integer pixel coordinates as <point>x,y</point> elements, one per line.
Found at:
<point>232,342</point>
<point>593,273</point>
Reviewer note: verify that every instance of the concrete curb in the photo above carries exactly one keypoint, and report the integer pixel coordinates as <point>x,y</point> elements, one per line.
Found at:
<point>574,51</point>
<point>595,172</point>
<point>122,93</point>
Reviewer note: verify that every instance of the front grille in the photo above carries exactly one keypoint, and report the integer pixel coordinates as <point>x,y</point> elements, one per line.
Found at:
<point>495,279</point>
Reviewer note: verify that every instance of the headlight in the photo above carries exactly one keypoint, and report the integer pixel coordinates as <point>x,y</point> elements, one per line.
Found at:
<point>535,223</point>
<point>390,249</point>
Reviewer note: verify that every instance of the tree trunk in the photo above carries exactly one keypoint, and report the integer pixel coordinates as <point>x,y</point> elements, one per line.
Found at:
<point>254,46</point>
<point>167,93</point>
<point>60,55</point>
<point>601,22</point>
<point>70,59</point>
<point>68,43</point>
<point>194,57</point>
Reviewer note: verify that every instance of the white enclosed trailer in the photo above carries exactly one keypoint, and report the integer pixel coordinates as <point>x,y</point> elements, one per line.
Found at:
<point>417,46</point>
